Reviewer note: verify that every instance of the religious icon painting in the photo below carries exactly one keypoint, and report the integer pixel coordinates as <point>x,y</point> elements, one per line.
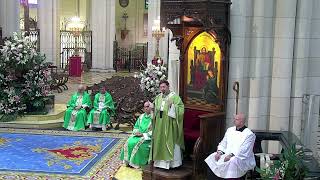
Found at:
<point>203,71</point>
<point>124,3</point>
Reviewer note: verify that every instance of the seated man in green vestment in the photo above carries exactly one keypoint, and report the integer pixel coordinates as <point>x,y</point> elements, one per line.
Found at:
<point>168,129</point>
<point>76,115</point>
<point>103,104</point>
<point>137,148</point>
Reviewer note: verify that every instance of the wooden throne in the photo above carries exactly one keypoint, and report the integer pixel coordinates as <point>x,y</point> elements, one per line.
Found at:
<point>201,31</point>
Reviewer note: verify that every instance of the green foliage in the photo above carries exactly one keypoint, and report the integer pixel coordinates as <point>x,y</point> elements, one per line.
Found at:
<point>289,167</point>
<point>24,77</point>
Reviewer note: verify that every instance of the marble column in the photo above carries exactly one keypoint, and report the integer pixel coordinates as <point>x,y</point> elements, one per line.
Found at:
<point>49,21</point>
<point>153,14</point>
<point>283,51</point>
<point>9,17</point>
<point>314,75</point>
<point>241,11</point>
<point>261,39</point>
<point>300,64</point>
<point>173,64</point>
<point>103,34</point>
<point>314,56</point>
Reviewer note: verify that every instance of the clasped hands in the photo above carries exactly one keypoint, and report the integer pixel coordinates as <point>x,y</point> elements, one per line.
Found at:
<point>78,107</point>
<point>138,134</point>
<point>226,158</point>
<point>104,108</point>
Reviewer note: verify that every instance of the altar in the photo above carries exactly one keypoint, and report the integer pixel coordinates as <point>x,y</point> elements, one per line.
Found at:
<point>75,68</point>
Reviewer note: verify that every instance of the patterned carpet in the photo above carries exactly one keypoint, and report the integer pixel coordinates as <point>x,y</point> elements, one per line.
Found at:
<point>48,154</point>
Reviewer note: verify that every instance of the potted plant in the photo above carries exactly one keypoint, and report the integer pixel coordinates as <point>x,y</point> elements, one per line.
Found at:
<point>289,167</point>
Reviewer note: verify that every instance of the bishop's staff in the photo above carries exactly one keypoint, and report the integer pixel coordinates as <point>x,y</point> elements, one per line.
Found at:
<point>236,90</point>
<point>152,140</point>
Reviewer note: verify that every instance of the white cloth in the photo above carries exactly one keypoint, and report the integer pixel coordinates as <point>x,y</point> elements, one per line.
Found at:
<point>165,99</point>
<point>177,160</point>
<point>172,111</point>
<point>101,106</point>
<point>241,145</point>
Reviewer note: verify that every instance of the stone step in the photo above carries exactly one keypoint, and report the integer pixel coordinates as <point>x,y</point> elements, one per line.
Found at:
<point>57,113</point>
<point>29,124</point>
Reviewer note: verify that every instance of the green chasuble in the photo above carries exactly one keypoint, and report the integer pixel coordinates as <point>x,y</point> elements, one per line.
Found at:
<point>75,120</point>
<point>103,109</point>
<point>136,150</point>
<point>168,131</point>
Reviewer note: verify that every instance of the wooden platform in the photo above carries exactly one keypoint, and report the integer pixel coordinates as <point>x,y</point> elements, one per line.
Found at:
<point>181,173</point>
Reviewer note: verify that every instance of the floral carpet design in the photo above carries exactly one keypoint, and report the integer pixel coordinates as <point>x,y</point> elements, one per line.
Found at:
<point>47,154</point>
<point>6,141</point>
<point>76,153</point>
<point>3,141</point>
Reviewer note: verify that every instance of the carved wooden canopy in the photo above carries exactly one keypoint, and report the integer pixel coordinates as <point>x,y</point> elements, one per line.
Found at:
<point>187,19</point>
<point>209,14</point>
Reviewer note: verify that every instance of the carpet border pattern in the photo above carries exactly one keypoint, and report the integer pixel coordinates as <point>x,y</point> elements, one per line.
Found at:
<point>105,168</point>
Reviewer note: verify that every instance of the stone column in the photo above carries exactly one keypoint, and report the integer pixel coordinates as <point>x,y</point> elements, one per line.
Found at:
<point>173,64</point>
<point>261,39</point>
<point>9,17</point>
<point>241,10</point>
<point>300,63</point>
<point>103,33</point>
<point>314,56</point>
<point>153,14</point>
<point>49,25</point>
<point>314,74</point>
<point>282,64</point>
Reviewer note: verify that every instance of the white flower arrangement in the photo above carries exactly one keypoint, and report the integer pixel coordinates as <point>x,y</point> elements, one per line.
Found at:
<point>151,77</point>
<point>24,75</point>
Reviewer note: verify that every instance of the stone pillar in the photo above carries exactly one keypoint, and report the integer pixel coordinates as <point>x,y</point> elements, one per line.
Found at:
<point>173,64</point>
<point>241,10</point>
<point>88,14</point>
<point>153,14</point>
<point>300,63</point>
<point>164,47</point>
<point>9,17</point>
<point>103,33</point>
<point>49,25</point>
<point>283,51</point>
<point>261,39</point>
<point>314,56</point>
<point>314,74</point>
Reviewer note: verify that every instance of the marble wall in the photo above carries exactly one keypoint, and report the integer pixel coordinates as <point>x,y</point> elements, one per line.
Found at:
<point>9,17</point>
<point>275,57</point>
